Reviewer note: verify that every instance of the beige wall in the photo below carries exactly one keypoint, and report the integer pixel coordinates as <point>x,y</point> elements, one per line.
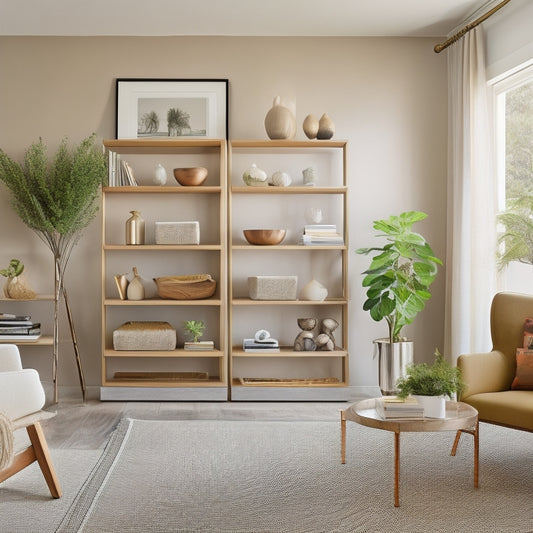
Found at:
<point>387,97</point>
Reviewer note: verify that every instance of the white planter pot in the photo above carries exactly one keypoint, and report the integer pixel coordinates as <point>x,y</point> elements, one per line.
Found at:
<point>434,406</point>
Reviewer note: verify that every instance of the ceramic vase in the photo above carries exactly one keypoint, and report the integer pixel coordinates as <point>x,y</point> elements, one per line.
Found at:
<point>314,291</point>
<point>310,126</point>
<point>434,406</point>
<point>160,175</point>
<point>326,128</point>
<point>280,122</point>
<point>135,287</point>
<point>135,228</point>
<point>281,179</point>
<point>18,288</point>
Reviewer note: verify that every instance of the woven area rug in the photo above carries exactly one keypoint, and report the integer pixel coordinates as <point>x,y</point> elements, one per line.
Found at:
<point>263,476</point>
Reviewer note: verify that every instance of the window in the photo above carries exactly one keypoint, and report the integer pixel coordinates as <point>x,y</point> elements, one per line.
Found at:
<point>514,151</point>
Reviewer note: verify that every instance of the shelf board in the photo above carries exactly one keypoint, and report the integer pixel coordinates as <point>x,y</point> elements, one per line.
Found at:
<point>160,302</point>
<point>236,383</point>
<point>327,301</point>
<point>38,298</point>
<point>291,144</point>
<point>286,247</point>
<point>160,247</point>
<point>211,382</point>
<point>43,340</point>
<point>159,189</point>
<point>159,142</point>
<point>288,190</point>
<point>180,352</point>
<point>287,351</point>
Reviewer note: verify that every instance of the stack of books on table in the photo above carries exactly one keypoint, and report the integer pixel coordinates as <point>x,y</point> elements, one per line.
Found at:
<point>321,235</point>
<point>18,328</point>
<point>389,407</point>
<point>260,346</point>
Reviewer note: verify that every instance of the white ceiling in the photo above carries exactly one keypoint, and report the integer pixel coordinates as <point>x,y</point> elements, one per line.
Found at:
<point>410,18</point>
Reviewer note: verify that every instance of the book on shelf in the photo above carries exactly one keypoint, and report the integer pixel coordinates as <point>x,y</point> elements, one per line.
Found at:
<point>6,318</point>
<point>260,346</point>
<point>32,337</point>
<point>394,407</point>
<point>199,346</point>
<point>31,329</point>
<point>321,234</point>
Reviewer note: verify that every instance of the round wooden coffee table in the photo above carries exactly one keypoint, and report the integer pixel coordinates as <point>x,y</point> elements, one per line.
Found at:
<point>460,417</point>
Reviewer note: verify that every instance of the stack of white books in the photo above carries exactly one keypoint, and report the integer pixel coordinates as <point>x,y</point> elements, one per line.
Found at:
<point>321,235</point>
<point>389,407</point>
<point>268,345</point>
<point>18,328</point>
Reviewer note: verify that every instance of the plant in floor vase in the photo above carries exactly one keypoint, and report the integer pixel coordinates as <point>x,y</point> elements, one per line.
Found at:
<point>438,381</point>
<point>397,282</point>
<point>57,199</point>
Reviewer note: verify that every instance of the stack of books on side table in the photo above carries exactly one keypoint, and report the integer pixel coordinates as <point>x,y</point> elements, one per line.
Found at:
<point>389,407</point>
<point>321,235</point>
<point>18,328</point>
<point>268,345</point>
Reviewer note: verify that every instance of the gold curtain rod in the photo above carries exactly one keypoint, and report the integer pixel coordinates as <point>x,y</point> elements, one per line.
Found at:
<point>440,47</point>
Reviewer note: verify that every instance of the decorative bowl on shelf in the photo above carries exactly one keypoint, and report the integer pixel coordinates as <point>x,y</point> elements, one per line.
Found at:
<point>264,236</point>
<point>190,176</point>
<point>194,287</point>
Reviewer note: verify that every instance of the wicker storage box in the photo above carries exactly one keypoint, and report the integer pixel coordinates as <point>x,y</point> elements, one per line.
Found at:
<point>195,287</point>
<point>177,232</point>
<point>138,336</point>
<point>272,287</point>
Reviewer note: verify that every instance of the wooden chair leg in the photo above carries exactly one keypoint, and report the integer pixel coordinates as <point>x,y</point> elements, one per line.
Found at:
<point>42,455</point>
<point>456,442</point>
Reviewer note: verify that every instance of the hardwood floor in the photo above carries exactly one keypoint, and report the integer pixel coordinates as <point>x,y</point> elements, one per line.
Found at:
<point>88,425</point>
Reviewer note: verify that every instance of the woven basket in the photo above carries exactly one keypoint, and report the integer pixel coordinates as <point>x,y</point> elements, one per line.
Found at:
<point>193,287</point>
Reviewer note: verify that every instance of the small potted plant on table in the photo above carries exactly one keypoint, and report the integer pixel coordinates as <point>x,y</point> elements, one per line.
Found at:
<point>431,385</point>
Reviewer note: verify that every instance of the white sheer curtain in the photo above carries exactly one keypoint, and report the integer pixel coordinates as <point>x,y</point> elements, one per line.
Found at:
<point>472,201</point>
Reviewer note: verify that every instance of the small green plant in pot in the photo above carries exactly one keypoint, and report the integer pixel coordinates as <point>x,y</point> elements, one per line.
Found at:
<point>195,328</point>
<point>397,282</point>
<point>440,380</point>
<point>16,286</point>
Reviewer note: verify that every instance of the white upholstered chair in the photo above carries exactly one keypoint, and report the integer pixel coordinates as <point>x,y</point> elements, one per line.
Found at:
<point>21,400</point>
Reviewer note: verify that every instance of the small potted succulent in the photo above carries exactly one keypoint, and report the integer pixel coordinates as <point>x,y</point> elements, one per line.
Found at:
<point>16,286</point>
<point>195,329</point>
<point>431,385</point>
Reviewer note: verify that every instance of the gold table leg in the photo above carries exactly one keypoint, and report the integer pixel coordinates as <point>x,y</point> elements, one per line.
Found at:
<point>396,469</point>
<point>475,433</point>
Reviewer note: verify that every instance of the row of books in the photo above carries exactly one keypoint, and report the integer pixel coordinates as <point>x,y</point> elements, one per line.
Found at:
<point>121,172</point>
<point>321,235</point>
<point>18,327</point>
<point>268,345</point>
<point>392,407</point>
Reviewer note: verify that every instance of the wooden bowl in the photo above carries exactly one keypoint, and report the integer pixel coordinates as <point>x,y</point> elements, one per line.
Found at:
<point>264,236</point>
<point>190,176</point>
<point>195,287</point>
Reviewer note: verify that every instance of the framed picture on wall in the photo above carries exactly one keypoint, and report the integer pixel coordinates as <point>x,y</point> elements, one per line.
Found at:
<point>172,108</point>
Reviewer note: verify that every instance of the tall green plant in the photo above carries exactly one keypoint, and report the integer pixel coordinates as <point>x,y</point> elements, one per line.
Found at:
<point>516,239</point>
<point>57,199</point>
<point>400,273</point>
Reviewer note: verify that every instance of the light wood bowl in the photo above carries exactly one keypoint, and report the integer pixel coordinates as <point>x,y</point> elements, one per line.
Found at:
<point>192,176</point>
<point>264,236</point>
<point>194,287</point>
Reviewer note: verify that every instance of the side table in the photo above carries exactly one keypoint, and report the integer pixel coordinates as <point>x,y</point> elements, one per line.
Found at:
<point>460,417</point>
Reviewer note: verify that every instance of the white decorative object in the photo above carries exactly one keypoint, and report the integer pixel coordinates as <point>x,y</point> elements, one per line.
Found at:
<point>434,406</point>
<point>314,291</point>
<point>272,287</point>
<point>326,128</point>
<point>160,175</point>
<point>281,179</point>
<point>187,232</point>
<point>135,290</point>
<point>254,176</point>
<point>314,215</point>
<point>309,177</point>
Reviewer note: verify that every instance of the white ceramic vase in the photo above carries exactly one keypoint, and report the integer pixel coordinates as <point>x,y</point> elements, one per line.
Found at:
<point>280,121</point>
<point>160,175</point>
<point>314,291</point>
<point>434,406</point>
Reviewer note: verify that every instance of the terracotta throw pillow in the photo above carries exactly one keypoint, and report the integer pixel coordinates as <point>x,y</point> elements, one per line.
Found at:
<point>528,334</point>
<point>524,370</point>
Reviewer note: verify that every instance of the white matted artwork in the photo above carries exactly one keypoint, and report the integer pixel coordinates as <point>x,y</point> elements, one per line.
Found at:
<point>164,108</point>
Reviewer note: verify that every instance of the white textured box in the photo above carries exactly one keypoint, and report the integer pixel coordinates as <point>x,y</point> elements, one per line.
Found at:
<point>177,232</point>
<point>272,287</point>
<point>144,336</point>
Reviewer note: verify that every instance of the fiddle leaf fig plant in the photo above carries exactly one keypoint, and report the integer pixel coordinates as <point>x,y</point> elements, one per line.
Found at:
<point>400,273</point>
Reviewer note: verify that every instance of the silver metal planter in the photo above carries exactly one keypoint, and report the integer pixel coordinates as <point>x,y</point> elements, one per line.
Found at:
<point>392,362</point>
